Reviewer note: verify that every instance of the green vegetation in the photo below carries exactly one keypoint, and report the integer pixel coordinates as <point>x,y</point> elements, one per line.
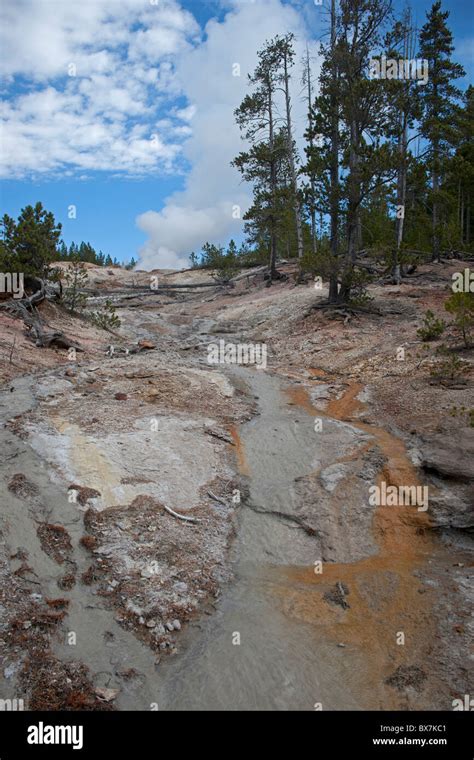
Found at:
<point>29,245</point>
<point>432,327</point>
<point>461,306</point>
<point>448,366</point>
<point>106,317</point>
<point>364,188</point>
<point>75,280</point>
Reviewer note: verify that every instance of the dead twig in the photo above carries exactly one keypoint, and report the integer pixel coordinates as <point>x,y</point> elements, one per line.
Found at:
<point>12,350</point>
<point>216,498</point>
<point>300,523</point>
<point>180,517</point>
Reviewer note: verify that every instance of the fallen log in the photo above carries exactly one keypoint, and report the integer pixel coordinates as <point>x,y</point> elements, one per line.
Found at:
<point>25,308</point>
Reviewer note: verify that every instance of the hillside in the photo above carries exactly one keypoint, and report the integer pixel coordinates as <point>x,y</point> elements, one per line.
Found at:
<point>156,504</point>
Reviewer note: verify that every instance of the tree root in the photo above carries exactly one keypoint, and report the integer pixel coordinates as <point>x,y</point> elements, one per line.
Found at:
<point>25,308</point>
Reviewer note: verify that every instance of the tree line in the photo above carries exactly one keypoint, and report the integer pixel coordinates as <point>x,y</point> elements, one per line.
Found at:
<point>387,168</point>
<point>31,243</point>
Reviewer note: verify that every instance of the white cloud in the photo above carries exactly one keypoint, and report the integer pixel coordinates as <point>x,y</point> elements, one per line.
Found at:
<point>203,210</point>
<point>152,94</point>
<point>121,57</point>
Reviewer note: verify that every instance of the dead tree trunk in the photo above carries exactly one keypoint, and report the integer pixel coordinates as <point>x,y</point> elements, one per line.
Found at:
<point>312,202</point>
<point>334,170</point>
<point>25,308</point>
<point>273,184</point>
<point>291,158</point>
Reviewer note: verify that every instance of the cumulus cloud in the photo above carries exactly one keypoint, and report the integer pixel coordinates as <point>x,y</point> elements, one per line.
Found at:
<point>205,209</point>
<point>99,76</point>
<point>136,88</point>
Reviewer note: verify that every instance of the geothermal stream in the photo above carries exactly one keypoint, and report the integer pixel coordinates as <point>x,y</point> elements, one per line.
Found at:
<point>278,664</point>
<point>249,654</point>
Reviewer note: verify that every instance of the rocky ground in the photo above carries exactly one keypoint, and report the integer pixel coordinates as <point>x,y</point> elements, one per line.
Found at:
<point>121,467</point>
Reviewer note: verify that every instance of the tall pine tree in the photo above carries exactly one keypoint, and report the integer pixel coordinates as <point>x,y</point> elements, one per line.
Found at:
<point>439,98</point>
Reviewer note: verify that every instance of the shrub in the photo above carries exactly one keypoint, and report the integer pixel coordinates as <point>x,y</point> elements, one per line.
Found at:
<point>75,278</point>
<point>106,317</point>
<point>432,327</point>
<point>461,306</point>
<point>449,366</point>
<point>466,415</point>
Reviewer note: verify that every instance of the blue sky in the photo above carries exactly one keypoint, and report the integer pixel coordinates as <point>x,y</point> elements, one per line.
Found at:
<point>123,108</point>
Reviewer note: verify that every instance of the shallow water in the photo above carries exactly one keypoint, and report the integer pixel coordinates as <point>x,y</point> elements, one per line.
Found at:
<point>250,654</point>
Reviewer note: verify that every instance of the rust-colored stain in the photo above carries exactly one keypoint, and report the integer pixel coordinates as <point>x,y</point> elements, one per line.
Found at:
<point>299,397</point>
<point>385,596</point>
<point>239,451</point>
<point>317,372</point>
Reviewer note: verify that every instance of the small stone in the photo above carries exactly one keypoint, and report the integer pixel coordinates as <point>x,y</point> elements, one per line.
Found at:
<point>151,623</point>
<point>10,670</point>
<point>146,344</point>
<point>120,397</point>
<point>134,608</point>
<point>106,694</point>
<point>176,625</point>
<point>170,626</point>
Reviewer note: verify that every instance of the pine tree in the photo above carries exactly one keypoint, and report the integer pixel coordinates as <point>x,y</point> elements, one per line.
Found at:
<point>76,279</point>
<point>404,106</point>
<point>348,154</point>
<point>440,110</point>
<point>283,47</point>
<point>131,264</point>
<point>367,159</point>
<point>256,117</point>
<point>323,151</point>
<point>31,242</point>
<point>462,169</point>
<point>62,251</point>
<point>310,187</point>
